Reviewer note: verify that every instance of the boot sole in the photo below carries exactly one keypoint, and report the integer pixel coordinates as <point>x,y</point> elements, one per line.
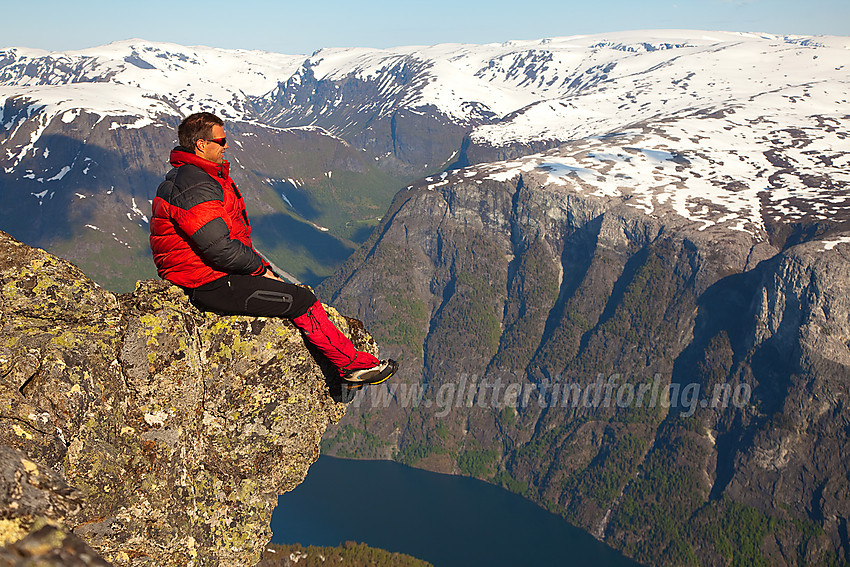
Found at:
<point>356,385</point>
<point>359,385</point>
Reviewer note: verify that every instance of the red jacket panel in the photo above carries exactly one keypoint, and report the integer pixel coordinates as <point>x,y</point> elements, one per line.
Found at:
<point>199,226</point>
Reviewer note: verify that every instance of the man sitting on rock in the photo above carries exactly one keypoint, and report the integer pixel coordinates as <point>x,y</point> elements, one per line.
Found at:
<point>201,241</point>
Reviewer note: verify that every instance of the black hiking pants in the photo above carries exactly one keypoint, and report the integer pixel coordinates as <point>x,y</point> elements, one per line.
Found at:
<point>253,295</point>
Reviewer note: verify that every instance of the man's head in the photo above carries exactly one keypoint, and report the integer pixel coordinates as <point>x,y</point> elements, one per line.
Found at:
<point>203,133</point>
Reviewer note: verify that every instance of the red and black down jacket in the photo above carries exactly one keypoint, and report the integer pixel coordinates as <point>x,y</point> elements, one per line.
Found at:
<point>199,228</point>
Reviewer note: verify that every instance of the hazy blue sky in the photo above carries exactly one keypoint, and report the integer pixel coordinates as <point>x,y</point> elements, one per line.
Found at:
<point>304,26</point>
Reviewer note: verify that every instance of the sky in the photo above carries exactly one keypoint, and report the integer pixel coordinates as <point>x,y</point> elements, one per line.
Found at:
<point>305,26</point>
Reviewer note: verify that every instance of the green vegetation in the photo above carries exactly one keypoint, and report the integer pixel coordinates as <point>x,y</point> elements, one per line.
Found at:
<point>832,559</point>
<point>582,308</point>
<point>507,417</point>
<point>505,480</point>
<point>638,313</point>
<point>477,464</point>
<point>367,196</point>
<point>543,447</point>
<point>405,325</point>
<point>350,442</point>
<point>337,198</point>
<point>604,478</point>
<point>661,530</point>
<point>472,307</point>
<point>473,299</point>
<point>644,412</point>
<point>716,362</point>
<point>637,318</point>
<point>634,320</point>
<point>298,247</point>
<point>662,498</point>
<point>532,292</point>
<point>412,453</point>
<point>477,310</point>
<point>403,319</point>
<point>442,431</point>
<point>338,186</point>
<point>106,260</point>
<point>350,554</point>
<point>663,518</point>
<point>738,532</point>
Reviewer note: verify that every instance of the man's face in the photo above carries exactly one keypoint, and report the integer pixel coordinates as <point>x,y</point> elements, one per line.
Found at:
<point>210,150</point>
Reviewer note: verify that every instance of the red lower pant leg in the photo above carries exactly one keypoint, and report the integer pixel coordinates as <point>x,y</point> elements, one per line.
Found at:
<point>321,332</point>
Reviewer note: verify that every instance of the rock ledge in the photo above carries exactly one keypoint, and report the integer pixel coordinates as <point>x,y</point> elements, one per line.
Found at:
<point>144,428</point>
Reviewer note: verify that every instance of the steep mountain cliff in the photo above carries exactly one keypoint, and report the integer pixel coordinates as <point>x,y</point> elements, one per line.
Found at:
<point>647,334</point>
<point>139,426</point>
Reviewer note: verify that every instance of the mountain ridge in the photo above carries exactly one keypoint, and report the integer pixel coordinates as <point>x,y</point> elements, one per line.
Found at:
<point>519,288</point>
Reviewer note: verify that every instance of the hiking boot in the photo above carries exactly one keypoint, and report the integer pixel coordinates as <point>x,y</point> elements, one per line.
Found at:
<point>375,375</point>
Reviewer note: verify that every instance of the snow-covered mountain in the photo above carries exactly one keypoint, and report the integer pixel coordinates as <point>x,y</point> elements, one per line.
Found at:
<point>599,80</point>
<point>696,119</point>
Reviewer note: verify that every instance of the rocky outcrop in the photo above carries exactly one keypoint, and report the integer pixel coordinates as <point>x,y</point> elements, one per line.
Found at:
<point>146,429</point>
<point>37,499</point>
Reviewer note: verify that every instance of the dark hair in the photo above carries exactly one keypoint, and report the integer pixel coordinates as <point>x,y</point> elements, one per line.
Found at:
<point>196,127</point>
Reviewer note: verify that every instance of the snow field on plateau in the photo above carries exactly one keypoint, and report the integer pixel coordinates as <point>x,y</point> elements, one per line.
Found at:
<point>619,88</point>
<point>731,169</point>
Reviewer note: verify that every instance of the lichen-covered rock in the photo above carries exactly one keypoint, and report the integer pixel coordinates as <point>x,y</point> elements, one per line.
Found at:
<point>31,497</point>
<point>50,546</point>
<point>177,429</point>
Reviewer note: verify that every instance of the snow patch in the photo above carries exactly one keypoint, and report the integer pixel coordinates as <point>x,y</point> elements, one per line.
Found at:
<point>138,211</point>
<point>830,244</point>
<point>62,173</point>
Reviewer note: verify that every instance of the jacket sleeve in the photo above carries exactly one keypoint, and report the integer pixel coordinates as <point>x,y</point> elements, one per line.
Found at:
<point>224,253</point>
<point>203,219</point>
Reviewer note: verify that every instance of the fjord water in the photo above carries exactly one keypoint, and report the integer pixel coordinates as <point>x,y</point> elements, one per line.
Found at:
<point>447,520</point>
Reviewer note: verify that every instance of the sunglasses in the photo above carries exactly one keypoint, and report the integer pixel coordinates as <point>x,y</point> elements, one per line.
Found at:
<point>220,141</point>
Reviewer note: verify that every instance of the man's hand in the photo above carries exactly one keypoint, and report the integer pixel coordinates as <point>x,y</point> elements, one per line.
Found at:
<point>271,275</point>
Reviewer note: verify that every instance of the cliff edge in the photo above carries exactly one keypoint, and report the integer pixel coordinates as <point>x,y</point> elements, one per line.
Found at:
<point>142,428</point>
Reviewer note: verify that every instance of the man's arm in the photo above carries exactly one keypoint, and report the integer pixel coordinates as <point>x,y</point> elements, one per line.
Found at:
<point>222,252</point>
